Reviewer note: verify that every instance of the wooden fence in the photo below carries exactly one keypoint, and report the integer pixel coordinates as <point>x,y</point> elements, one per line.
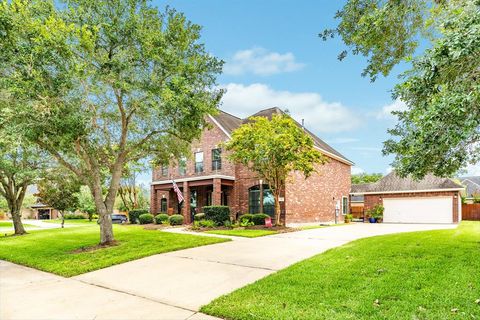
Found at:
<point>471,211</point>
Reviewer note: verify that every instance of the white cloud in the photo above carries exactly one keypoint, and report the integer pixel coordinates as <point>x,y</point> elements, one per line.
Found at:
<point>388,170</point>
<point>261,62</point>
<point>342,140</point>
<point>320,116</point>
<point>473,170</point>
<point>357,170</point>
<point>386,112</point>
<point>374,149</point>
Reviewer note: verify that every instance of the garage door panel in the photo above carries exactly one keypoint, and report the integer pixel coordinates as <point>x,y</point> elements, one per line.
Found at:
<point>418,210</point>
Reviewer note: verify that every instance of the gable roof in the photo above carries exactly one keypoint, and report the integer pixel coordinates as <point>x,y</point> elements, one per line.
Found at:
<point>228,123</point>
<point>393,183</point>
<point>472,185</point>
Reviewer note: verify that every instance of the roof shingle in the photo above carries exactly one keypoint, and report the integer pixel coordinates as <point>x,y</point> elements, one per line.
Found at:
<point>230,123</point>
<point>392,182</point>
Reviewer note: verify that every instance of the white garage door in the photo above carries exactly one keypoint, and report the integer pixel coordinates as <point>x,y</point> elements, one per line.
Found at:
<point>418,210</point>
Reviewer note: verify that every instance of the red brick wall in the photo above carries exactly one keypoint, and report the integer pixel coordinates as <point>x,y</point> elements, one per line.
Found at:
<point>210,139</point>
<point>373,199</point>
<point>313,199</point>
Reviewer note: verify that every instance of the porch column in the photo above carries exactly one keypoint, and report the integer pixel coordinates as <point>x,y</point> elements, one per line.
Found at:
<point>153,200</point>
<point>217,192</point>
<point>186,203</point>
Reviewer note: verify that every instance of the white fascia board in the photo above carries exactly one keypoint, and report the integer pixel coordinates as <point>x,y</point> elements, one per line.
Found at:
<point>405,191</point>
<point>221,128</point>
<point>215,176</point>
<point>331,155</point>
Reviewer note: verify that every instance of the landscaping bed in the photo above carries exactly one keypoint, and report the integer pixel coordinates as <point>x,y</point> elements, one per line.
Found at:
<point>73,251</point>
<point>418,275</point>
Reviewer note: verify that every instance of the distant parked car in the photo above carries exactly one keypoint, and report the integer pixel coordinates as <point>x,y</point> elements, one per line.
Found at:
<point>118,218</point>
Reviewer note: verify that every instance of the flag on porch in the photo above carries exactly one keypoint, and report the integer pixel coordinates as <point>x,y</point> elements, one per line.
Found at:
<point>178,192</point>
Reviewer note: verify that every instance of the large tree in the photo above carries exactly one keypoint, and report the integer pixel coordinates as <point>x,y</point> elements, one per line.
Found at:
<point>366,178</point>
<point>59,189</point>
<point>20,167</point>
<point>440,130</point>
<point>99,84</point>
<point>273,149</point>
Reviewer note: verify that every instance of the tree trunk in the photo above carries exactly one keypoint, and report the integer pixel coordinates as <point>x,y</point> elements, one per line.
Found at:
<point>278,210</point>
<point>17,220</point>
<point>63,218</point>
<point>106,228</point>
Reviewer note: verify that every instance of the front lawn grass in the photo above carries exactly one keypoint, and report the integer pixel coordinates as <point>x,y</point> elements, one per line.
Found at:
<point>72,221</point>
<point>9,224</point>
<point>419,275</point>
<point>247,233</point>
<point>53,250</point>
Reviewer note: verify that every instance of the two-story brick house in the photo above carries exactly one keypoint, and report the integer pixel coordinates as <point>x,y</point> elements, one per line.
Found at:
<point>209,178</point>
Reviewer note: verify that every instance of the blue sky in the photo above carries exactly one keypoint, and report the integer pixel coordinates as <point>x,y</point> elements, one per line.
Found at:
<point>274,57</point>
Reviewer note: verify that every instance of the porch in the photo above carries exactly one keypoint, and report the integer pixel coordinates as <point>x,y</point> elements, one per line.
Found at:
<point>197,193</point>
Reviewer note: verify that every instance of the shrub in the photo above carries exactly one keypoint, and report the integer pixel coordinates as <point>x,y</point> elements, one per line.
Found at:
<point>228,224</point>
<point>259,218</point>
<point>135,213</point>
<point>207,223</point>
<point>161,218</point>
<point>217,213</point>
<point>199,216</point>
<point>376,212</point>
<point>145,218</point>
<point>248,217</point>
<point>176,219</point>
<point>73,216</point>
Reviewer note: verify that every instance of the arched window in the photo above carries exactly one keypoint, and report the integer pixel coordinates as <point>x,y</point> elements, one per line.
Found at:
<point>254,199</point>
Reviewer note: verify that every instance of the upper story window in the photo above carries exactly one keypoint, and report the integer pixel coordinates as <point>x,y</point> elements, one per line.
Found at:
<point>182,166</point>
<point>216,159</point>
<point>164,170</point>
<point>198,162</point>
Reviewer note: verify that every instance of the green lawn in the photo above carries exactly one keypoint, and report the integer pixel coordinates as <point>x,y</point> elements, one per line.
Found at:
<point>51,250</point>
<point>72,221</point>
<point>248,233</point>
<point>9,224</point>
<point>421,275</point>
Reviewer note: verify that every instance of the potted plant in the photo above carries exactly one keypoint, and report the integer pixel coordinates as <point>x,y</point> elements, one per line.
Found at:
<point>348,218</point>
<point>376,214</point>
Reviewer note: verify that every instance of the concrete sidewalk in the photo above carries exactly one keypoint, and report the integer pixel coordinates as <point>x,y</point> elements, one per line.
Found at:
<point>27,293</point>
<point>173,285</point>
<point>193,277</point>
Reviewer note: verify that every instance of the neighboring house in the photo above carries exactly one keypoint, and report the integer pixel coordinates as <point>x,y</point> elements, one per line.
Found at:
<point>211,179</point>
<point>472,188</point>
<point>430,200</point>
<point>44,212</point>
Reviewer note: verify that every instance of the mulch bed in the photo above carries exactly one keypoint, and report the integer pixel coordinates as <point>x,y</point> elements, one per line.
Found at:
<point>278,229</point>
<point>96,247</point>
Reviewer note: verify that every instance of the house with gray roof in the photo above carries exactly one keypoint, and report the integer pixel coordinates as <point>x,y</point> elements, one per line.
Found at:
<point>406,200</point>
<point>472,188</point>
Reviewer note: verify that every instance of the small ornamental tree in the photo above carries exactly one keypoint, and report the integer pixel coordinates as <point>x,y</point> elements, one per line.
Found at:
<point>273,149</point>
<point>59,190</point>
<point>21,164</point>
<point>100,84</point>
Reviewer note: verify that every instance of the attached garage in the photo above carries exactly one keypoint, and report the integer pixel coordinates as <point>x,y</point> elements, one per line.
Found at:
<point>418,210</point>
<point>405,200</point>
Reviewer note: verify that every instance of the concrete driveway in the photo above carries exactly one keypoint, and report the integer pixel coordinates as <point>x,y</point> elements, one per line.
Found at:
<point>175,285</point>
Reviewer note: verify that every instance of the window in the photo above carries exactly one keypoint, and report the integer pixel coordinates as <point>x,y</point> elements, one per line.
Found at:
<point>254,200</point>
<point>182,166</point>
<point>163,205</point>
<point>216,159</point>
<point>164,170</point>
<point>198,162</point>
<point>344,205</point>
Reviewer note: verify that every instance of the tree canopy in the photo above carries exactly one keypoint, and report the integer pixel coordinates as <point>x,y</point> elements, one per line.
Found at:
<point>273,149</point>
<point>440,130</point>
<point>99,84</point>
<point>366,177</point>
